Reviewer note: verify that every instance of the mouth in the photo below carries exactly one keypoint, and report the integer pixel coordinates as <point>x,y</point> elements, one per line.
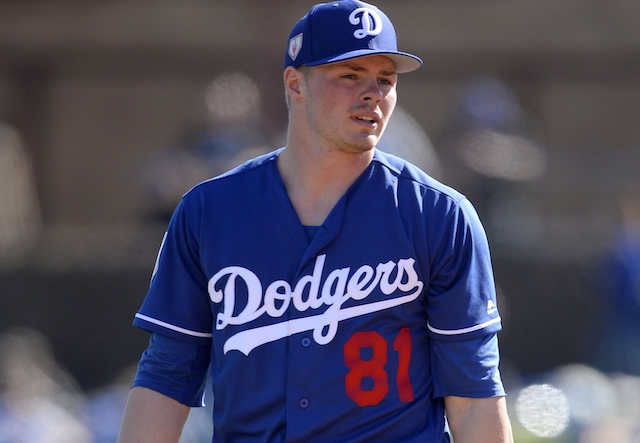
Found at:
<point>368,118</point>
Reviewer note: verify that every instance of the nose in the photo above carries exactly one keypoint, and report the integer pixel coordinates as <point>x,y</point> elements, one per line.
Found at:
<point>372,92</point>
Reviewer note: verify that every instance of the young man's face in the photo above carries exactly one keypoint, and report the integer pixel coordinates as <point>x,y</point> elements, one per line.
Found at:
<point>348,104</point>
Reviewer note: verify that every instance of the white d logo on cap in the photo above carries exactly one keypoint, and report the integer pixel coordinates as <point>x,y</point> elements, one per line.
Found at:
<point>371,22</point>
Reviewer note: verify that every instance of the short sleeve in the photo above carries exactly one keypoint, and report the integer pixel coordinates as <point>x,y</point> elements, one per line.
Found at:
<point>177,303</point>
<point>461,299</point>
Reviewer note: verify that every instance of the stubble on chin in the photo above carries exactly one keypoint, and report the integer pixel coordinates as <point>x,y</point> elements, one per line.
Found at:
<point>356,148</point>
<point>357,144</point>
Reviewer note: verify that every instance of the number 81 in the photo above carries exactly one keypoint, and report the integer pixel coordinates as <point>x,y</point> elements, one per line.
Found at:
<point>373,368</point>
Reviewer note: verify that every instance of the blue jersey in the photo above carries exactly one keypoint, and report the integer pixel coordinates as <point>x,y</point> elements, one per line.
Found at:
<point>343,334</point>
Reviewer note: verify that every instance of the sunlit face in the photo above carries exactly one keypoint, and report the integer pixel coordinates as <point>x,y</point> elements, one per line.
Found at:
<point>348,104</point>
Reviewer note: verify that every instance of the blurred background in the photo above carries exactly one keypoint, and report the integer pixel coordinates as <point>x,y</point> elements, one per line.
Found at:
<point>110,110</point>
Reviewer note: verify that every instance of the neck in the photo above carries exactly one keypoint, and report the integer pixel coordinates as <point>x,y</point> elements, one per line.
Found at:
<point>316,179</point>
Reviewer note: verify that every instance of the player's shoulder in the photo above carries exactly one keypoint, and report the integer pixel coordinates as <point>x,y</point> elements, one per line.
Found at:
<point>408,172</point>
<point>413,186</point>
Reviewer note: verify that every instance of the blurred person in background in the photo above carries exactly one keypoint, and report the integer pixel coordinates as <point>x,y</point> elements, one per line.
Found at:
<point>491,152</point>
<point>103,408</point>
<point>20,221</point>
<point>39,401</point>
<point>228,135</point>
<point>617,341</point>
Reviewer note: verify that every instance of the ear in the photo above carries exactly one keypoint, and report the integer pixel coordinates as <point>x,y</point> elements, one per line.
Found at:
<point>294,83</point>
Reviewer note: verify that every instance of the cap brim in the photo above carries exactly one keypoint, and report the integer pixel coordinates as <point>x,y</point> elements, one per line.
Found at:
<point>404,61</point>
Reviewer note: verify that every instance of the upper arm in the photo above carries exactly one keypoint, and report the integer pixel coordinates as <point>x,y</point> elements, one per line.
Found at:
<point>461,298</point>
<point>478,420</point>
<point>151,417</point>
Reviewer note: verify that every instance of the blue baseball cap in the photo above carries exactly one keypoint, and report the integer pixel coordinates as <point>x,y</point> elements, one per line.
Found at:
<point>341,30</point>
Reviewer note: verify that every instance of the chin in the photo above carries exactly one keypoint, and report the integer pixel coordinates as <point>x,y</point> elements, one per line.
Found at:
<point>357,148</point>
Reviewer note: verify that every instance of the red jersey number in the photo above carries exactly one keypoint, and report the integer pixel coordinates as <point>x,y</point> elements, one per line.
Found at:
<point>374,368</point>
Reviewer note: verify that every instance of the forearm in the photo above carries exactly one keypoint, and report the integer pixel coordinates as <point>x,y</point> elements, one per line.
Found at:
<point>483,420</point>
<point>151,417</point>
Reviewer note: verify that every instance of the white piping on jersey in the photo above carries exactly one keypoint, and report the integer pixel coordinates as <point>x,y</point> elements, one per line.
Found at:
<point>463,330</point>
<point>173,327</point>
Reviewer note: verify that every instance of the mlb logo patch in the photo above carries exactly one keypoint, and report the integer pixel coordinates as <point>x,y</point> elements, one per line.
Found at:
<point>295,45</point>
<point>491,307</point>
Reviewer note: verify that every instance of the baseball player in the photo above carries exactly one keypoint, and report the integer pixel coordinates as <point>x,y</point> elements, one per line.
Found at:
<point>330,292</point>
